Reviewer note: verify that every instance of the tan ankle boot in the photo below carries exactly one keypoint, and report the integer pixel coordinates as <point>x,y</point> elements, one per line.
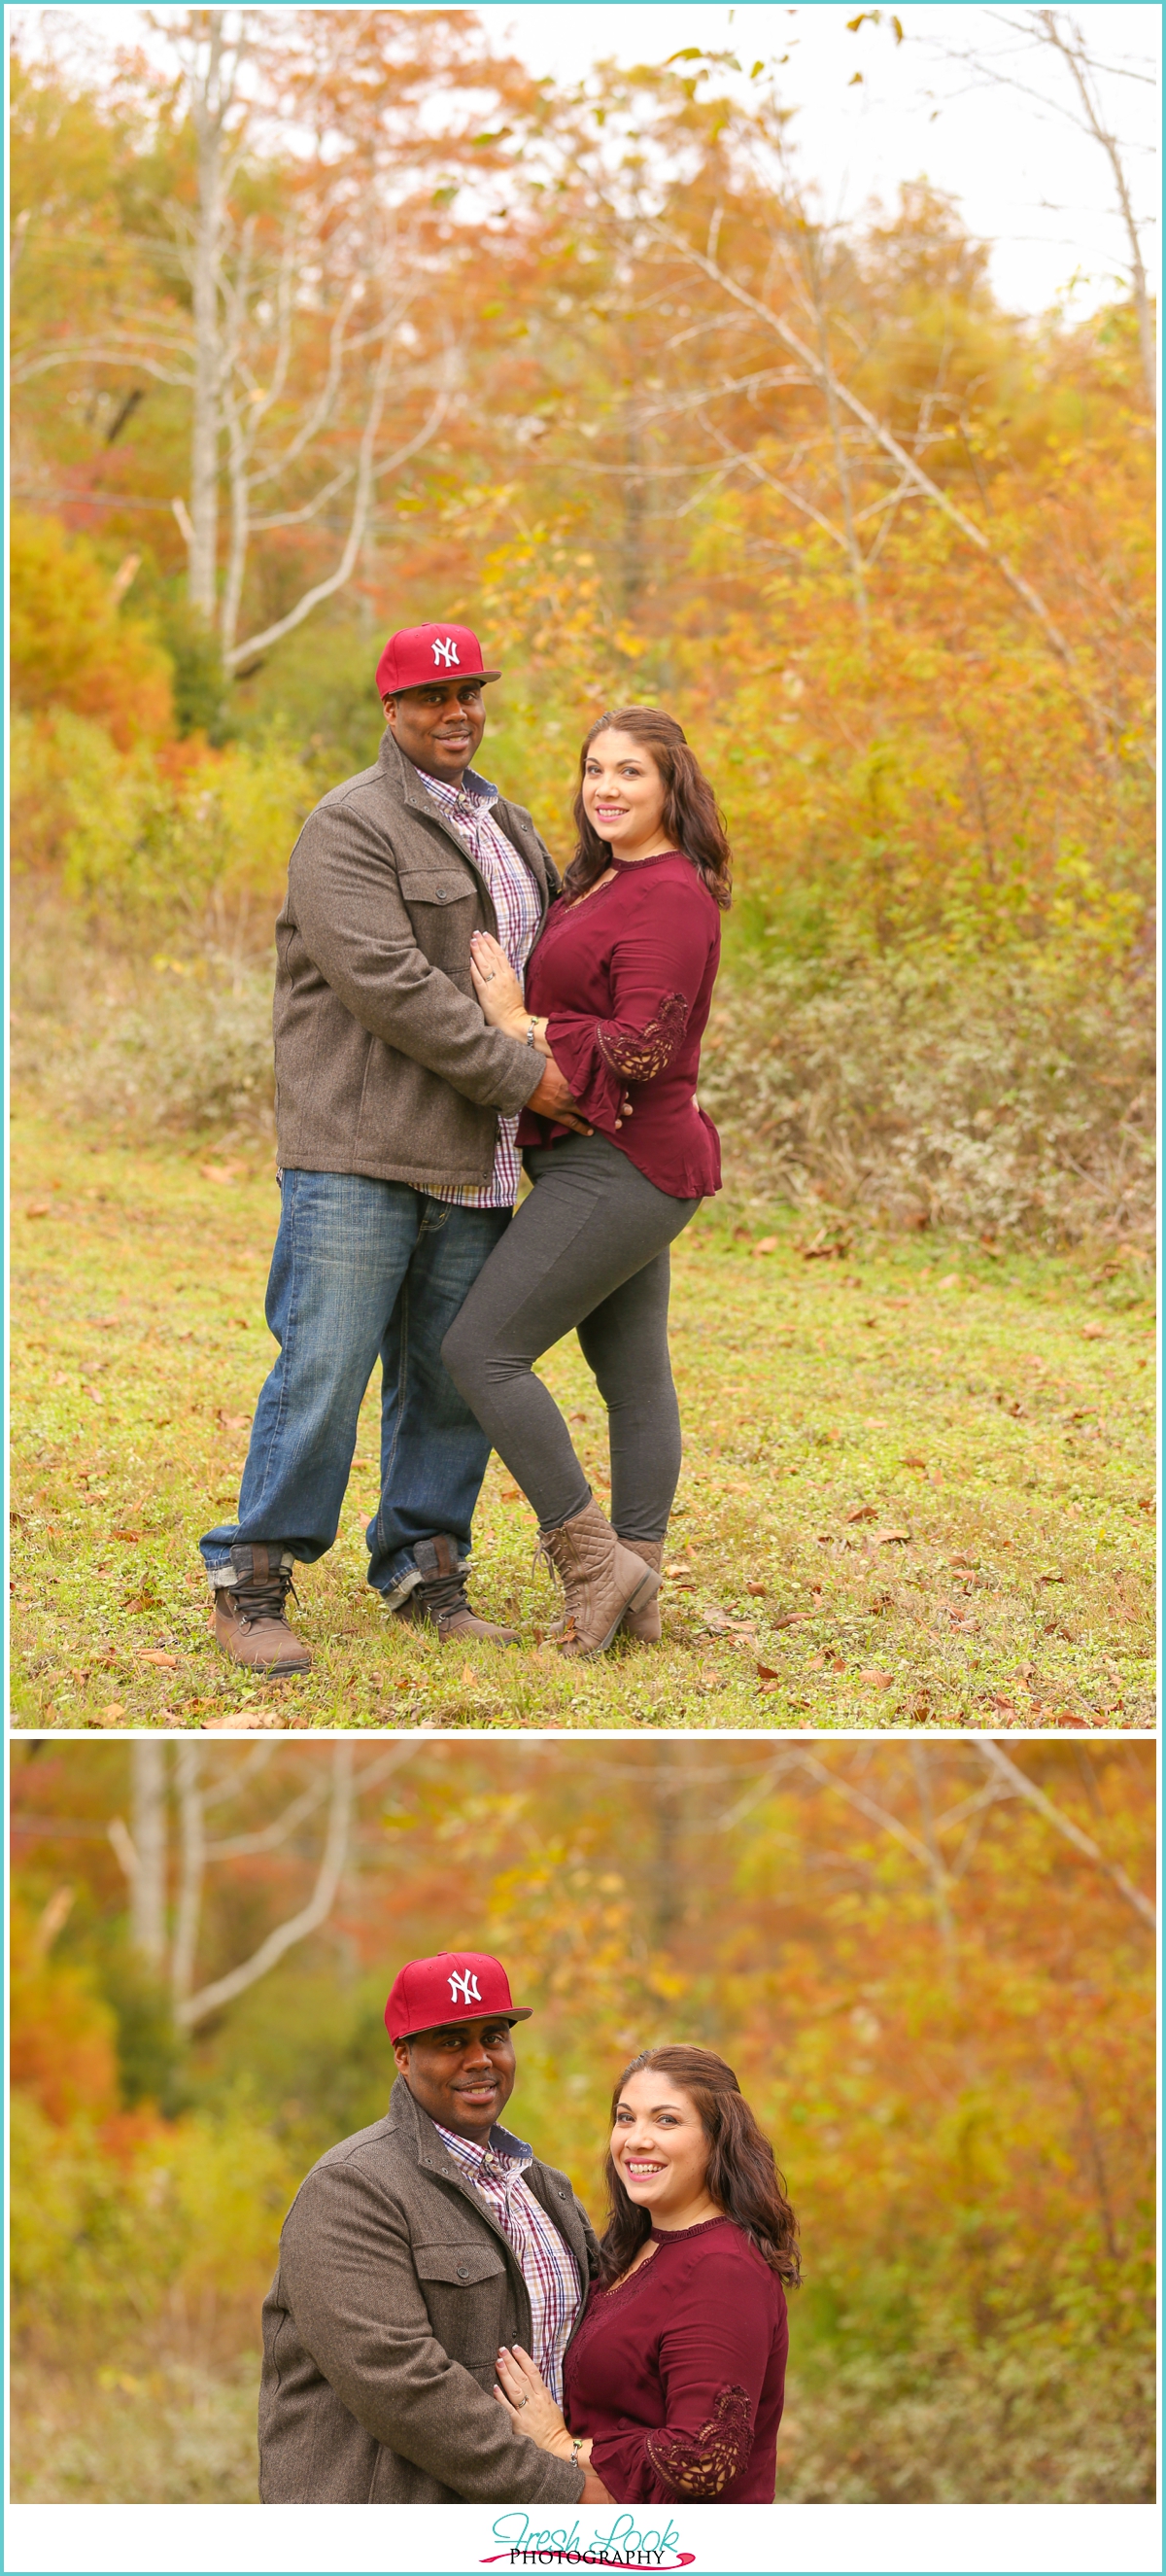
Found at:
<point>601,1578</point>
<point>645,1623</point>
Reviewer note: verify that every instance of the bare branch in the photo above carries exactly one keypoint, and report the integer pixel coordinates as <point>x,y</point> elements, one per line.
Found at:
<point>98,354</point>
<point>209,1999</point>
<point>193,1844</point>
<point>269,1837</point>
<point>870,1807</point>
<point>1103,718</point>
<point>122,1841</point>
<point>761,474</point>
<point>1022,1787</point>
<point>367,474</point>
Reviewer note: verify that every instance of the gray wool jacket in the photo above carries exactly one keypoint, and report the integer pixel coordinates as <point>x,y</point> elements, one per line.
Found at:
<point>383,1062</point>
<point>394,2291</point>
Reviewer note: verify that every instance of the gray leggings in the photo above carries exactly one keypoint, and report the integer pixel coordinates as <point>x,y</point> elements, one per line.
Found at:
<point>587,1250</point>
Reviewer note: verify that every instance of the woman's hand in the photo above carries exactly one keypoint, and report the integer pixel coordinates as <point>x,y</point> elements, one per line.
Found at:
<point>496,985</point>
<point>529,2403</point>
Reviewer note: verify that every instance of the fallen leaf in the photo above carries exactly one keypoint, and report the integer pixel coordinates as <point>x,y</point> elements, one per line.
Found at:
<point>1064,1717</point>
<point>758,1590</point>
<point>94,1394</point>
<point>235,1421</point>
<point>768,1245</point>
<point>469,1673</point>
<point>891,1538</point>
<point>880,1680</point>
<point>951,1279</point>
<point>863,1512</point>
<point>793,1619</point>
<point>1145,1503</point>
<point>166,1663</point>
<point>914,1462</point>
<point>816,1664</point>
<point>130,1537</point>
<point>1093,1332</point>
<point>243,1718</point>
<point>511,1494</point>
<point>39,1207</point>
<point>109,1715</point>
<point>224,1173</point>
<point>768,1673</point>
<point>1050,1576</point>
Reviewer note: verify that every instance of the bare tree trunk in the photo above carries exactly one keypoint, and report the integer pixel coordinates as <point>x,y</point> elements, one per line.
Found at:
<point>192,1830</point>
<point>940,1883</point>
<point>148,1882</point>
<point>208,108</point>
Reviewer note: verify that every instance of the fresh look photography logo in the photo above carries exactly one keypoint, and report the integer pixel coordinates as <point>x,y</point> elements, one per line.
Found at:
<point>623,2545</point>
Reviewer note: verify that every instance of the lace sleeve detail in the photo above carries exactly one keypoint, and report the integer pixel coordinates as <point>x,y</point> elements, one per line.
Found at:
<point>702,2465</point>
<point>638,1055</point>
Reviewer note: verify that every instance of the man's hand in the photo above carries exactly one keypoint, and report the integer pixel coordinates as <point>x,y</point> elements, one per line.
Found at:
<point>553,1100</point>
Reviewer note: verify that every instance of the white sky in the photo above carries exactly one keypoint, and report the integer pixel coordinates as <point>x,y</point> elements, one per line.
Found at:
<point>1026,180</point>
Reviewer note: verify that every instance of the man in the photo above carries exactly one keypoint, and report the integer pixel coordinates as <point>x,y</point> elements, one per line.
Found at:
<point>412,2252</point>
<point>396,1109</point>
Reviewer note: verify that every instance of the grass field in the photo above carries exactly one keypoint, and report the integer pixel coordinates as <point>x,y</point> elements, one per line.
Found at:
<point>917,1486</point>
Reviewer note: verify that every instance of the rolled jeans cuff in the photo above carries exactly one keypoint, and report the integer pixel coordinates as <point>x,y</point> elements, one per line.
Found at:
<point>226,1576</point>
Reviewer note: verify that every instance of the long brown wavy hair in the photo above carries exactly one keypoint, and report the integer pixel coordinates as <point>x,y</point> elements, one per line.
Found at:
<point>742,2174</point>
<point>691,818</point>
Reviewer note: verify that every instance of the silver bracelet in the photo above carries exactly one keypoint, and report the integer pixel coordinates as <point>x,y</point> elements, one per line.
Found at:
<point>576,2447</point>
<point>531,1026</point>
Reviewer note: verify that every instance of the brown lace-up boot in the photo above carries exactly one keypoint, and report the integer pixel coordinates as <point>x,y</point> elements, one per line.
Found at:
<point>439,1600</point>
<point>645,1623</point>
<point>251,1621</point>
<point>601,1577</point>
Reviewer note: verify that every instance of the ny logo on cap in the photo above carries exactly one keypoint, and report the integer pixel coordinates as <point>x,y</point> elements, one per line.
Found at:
<point>445,651</point>
<point>464,1983</point>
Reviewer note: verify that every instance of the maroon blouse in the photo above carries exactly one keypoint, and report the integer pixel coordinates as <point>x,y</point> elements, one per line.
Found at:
<point>624,981</point>
<point>678,2374</point>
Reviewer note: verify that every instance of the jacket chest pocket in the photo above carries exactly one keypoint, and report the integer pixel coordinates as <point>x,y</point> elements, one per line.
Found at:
<point>465,2288</point>
<point>443,908</point>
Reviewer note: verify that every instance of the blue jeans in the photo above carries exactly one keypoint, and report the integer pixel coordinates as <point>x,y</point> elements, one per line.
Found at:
<point>363,1270</point>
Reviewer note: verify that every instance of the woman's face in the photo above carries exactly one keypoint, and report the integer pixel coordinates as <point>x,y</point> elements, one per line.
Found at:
<point>623,792</point>
<point>659,2147</point>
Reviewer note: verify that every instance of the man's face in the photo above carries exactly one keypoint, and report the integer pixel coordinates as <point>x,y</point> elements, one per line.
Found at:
<point>440,726</point>
<point>462,2074</point>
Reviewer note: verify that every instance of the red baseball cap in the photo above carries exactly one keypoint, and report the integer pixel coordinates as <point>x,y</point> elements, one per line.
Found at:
<point>458,1985</point>
<point>421,653</point>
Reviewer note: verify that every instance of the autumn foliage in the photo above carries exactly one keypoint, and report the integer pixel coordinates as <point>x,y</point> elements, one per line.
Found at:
<point>586,368</point>
<point>939,2004</point>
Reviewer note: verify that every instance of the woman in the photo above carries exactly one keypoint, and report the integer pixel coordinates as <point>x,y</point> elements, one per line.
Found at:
<point>617,992</point>
<point>673,2383</point>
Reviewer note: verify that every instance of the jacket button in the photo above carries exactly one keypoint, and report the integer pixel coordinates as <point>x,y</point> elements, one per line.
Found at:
<point>463,2271</point>
<point>441,894</point>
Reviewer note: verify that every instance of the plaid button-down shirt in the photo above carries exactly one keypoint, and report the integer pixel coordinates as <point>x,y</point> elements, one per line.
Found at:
<point>547,2264</point>
<point>515,898</point>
